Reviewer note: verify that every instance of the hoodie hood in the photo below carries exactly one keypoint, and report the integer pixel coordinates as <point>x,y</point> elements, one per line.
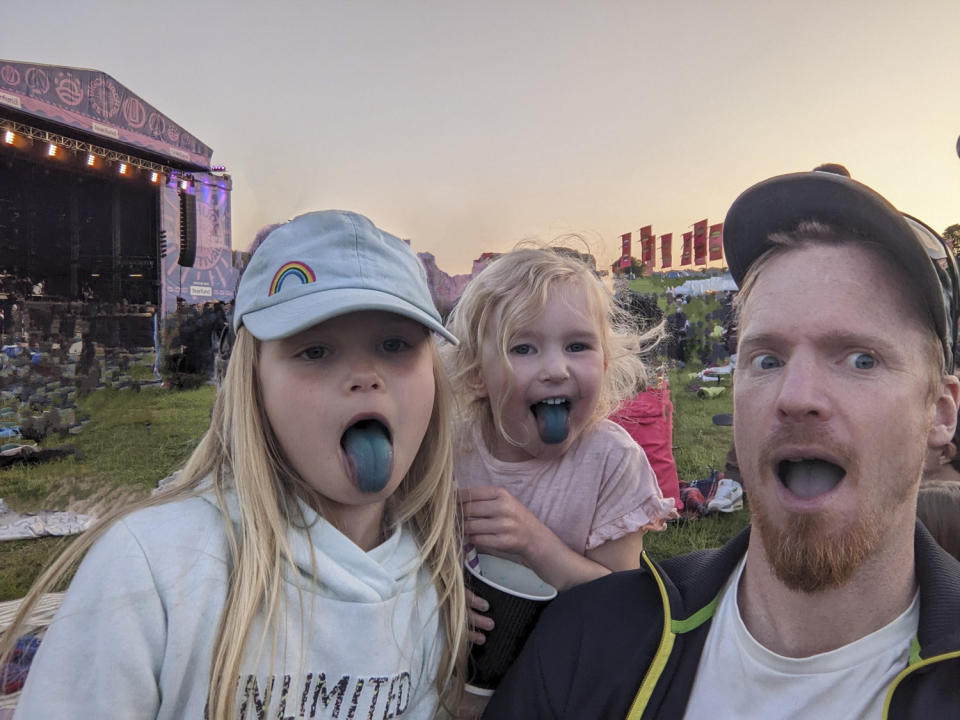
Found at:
<point>330,564</point>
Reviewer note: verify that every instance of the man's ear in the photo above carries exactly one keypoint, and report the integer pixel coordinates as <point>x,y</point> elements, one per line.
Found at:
<point>945,412</point>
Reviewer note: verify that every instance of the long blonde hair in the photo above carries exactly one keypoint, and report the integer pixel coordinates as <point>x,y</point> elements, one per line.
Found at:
<point>509,294</point>
<point>240,451</point>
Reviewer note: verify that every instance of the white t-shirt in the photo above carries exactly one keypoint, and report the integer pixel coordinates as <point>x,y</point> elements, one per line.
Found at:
<point>740,678</point>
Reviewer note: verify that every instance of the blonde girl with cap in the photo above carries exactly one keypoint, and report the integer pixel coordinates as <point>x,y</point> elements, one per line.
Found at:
<point>308,563</point>
<point>545,355</point>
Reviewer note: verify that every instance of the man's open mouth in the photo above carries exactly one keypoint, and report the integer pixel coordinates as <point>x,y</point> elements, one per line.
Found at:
<point>368,449</point>
<point>553,419</point>
<point>808,477</point>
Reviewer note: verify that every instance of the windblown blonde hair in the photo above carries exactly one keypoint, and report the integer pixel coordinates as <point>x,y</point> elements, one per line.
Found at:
<point>509,294</point>
<point>240,451</point>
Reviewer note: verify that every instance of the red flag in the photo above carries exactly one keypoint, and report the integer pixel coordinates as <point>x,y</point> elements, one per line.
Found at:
<point>625,244</point>
<point>646,244</point>
<point>687,249</point>
<point>716,241</point>
<point>624,262</point>
<point>700,242</point>
<point>666,250</point>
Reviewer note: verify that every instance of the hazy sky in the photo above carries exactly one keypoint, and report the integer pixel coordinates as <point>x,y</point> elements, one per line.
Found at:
<point>470,126</point>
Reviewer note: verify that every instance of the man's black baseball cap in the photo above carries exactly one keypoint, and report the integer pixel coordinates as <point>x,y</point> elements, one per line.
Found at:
<point>781,203</point>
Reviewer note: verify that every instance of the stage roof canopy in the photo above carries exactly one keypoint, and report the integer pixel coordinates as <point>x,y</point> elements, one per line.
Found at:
<point>92,101</point>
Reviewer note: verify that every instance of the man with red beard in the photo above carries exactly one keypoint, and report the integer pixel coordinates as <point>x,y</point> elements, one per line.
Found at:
<point>835,603</point>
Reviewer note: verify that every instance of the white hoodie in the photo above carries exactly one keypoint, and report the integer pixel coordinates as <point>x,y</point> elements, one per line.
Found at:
<point>134,636</point>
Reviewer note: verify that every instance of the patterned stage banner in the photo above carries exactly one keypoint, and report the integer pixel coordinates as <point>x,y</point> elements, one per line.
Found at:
<point>213,275</point>
<point>94,102</point>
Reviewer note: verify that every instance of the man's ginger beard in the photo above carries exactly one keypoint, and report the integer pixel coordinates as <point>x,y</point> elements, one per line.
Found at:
<point>808,556</point>
<point>804,556</point>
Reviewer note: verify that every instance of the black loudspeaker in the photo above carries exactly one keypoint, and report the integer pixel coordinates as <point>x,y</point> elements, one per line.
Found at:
<point>188,229</point>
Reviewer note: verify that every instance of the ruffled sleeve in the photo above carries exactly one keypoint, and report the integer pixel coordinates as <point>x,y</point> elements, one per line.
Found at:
<point>630,498</point>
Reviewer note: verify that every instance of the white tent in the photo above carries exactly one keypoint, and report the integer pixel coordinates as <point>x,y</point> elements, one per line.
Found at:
<point>719,283</point>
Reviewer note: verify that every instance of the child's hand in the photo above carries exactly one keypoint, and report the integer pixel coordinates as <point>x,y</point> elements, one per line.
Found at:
<point>494,519</point>
<point>476,606</point>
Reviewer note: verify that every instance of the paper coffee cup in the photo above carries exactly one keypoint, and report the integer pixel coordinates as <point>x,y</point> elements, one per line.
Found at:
<point>516,596</point>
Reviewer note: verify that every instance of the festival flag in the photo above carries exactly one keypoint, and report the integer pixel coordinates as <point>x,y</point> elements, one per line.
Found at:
<point>685,257</point>
<point>700,242</point>
<point>646,244</point>
<point>625,244</point>
<point>624,262</point>
<point>716,241</point>
<point>666,250</point>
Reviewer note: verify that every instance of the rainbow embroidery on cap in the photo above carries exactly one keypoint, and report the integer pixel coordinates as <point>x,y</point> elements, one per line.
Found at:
<point>301,271</point>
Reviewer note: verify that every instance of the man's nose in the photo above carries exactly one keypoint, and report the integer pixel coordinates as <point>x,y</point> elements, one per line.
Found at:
<point>803,390</point>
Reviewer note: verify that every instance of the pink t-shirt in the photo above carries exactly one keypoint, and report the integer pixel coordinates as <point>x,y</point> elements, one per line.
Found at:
<point>601,489</point>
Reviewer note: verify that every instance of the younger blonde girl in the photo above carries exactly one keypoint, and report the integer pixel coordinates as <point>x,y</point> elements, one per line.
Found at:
<point>308,563</point>
<point>545,356</point>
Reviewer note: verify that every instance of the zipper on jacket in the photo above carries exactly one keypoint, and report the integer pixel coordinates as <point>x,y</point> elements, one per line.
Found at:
<point>671,628</point>
<point>659,661</point>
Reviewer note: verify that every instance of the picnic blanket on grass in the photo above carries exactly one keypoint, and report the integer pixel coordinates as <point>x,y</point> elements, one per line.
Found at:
<point>14,673</point>
<point>14,526</point>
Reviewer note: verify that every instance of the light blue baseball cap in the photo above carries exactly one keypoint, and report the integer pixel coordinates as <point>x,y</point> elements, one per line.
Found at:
<point>328,263</point>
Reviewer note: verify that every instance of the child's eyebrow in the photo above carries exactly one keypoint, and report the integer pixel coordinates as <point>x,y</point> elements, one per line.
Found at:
<point>585,330</point>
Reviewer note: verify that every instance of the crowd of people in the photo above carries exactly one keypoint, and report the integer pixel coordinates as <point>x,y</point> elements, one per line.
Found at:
<point>309,560</point>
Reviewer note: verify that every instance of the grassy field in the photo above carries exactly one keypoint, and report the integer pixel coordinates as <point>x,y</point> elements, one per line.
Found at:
<point>132,441</point>
<point>699,446</point>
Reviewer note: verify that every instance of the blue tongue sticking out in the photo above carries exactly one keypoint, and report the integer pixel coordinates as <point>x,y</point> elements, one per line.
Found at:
<point>553,421</point>
<point>370,454</point>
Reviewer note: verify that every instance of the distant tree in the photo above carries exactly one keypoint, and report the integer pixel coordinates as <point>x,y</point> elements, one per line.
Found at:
<point>637,267</point>
<point>952,236</point>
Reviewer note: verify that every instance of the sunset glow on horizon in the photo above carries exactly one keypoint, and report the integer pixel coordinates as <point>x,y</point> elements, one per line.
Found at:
<point>470,127</point>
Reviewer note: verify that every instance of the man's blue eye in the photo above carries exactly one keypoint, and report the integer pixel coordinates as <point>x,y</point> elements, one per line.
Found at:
<point>862,360</point>
<point>766,362</point>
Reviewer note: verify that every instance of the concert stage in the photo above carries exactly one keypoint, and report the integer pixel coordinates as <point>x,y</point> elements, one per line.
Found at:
<point>107,207</point>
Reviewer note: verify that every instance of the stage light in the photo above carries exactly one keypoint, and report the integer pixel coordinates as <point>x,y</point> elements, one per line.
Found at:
<point>122,168</point>
<point>136,275</point>
<point>218,168</point>
<point>9,138</point>
<point>184,184</point>
<point>52,150</point>
<point>91,160</point>
<point>154,176</point>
